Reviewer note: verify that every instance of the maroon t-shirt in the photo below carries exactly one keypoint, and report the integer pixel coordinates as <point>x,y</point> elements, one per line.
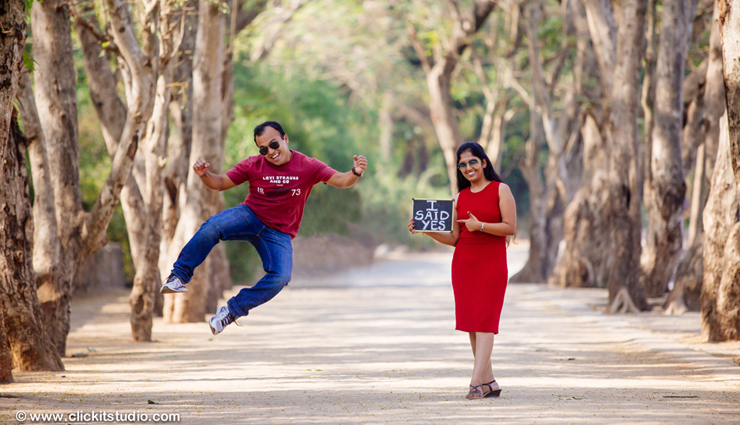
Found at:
<point>278,194</point>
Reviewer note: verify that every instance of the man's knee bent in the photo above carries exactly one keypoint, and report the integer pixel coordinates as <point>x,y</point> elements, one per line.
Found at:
<point>281,278</point>
<point>210,230</point>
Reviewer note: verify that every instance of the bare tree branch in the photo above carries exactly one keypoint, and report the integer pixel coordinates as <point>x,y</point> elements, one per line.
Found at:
<point>418,48</point>
<point>105,40</point>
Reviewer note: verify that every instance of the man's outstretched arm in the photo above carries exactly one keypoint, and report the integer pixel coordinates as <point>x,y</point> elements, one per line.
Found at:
<point>349,178</point>
<point>212,181</point>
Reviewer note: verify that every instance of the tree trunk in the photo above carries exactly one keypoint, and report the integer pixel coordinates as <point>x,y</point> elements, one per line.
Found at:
<point>689,275</point>
<point>584,260</point>
<point>24,342</point>
<point>623,185</point>
<point>721,285</point>
<point>73,235</point>
<point>6,358</point>
<point>559,188</point>
<point>535,269</point>
<point>585,156</point>
<point>698,198</point>
<point>720,215</point>
<point>179,143</point>
<point>56,96</point>
<point>11,49</point>
<point>146,281</point>
<point>207,144</point>
<point>665,200</point>
<point>714,96</point>
<point>686,293</point>
<point>30,345</point>
<point>604,38</point>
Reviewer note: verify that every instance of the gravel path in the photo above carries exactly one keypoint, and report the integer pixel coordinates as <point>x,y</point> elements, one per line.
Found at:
<point>378,345</point>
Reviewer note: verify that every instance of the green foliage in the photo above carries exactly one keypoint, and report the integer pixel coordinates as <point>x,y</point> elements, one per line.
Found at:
<point>28,61</point>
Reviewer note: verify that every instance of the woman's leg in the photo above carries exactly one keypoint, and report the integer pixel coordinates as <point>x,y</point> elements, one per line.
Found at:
<point>482,344</point>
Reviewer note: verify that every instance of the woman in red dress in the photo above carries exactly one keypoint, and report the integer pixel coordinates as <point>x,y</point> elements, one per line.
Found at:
<point>485,217</point>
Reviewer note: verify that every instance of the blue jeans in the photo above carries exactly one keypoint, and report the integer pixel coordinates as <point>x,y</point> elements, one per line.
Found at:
<point>240,224</point>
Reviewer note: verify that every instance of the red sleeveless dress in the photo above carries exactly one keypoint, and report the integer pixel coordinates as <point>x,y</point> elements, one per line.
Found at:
<point>479,272</point>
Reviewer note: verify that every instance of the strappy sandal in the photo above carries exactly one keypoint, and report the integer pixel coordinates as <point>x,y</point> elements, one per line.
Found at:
<point>475,393</point>
<point>492,392</point>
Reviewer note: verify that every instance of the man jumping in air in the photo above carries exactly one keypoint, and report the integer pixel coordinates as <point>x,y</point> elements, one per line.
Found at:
<point>280,180</point>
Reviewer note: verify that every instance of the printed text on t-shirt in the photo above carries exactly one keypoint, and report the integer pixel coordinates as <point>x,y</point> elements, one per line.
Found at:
<point>279,179</point>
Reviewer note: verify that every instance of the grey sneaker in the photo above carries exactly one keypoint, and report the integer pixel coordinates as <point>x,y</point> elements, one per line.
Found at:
<point>222,319</point>
<point>172,285</point>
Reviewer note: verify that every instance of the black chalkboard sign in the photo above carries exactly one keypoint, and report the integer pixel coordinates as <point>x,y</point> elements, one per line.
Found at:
<point>433,215</point>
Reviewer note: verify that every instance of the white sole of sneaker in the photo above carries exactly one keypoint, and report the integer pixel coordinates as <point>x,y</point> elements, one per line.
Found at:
<point>167,290</point>
<point>213,330</point>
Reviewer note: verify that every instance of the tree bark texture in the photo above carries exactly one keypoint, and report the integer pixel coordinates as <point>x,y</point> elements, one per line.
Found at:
<point>6,358</point>
<point>180,141</point>
<point>535,269</point>
<point>623,185</point>
<point>11,54</point>
<point>56,96</point>
<point>24,343</point>
<point>207,144</point>
<point>721,286</point>
<point>604,38</point>
<point>30,345</point>
<point>584,260</point>
<point>714,96</point>
<point>665,202</point>
<point>720,218</point>
<point>689,275</point>
<point>147,278</point>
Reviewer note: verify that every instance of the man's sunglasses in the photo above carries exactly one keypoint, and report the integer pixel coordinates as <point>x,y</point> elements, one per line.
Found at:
<point>273,145</point>
<point>473,162</point>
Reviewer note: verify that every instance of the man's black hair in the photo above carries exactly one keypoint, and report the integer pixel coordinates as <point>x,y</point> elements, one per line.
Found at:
<point>477,151</point>
<point>261,129</point>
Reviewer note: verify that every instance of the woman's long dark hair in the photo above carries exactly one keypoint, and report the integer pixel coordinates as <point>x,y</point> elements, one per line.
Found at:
<point>477,151</point>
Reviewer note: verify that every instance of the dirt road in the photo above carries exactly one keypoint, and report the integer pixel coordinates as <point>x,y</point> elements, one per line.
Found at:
<point>377,345</point>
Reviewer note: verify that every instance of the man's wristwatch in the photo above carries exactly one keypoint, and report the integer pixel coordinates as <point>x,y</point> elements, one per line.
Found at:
<point>482,224</point>
<point>356,173</point>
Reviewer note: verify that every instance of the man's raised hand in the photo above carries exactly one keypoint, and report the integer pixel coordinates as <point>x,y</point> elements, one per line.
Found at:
<point>201,167</point>
<point>360,163</point>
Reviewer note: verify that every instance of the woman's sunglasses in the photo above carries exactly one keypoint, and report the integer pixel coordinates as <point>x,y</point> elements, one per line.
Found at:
<point>273,145</point>
<point>473,162</point>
